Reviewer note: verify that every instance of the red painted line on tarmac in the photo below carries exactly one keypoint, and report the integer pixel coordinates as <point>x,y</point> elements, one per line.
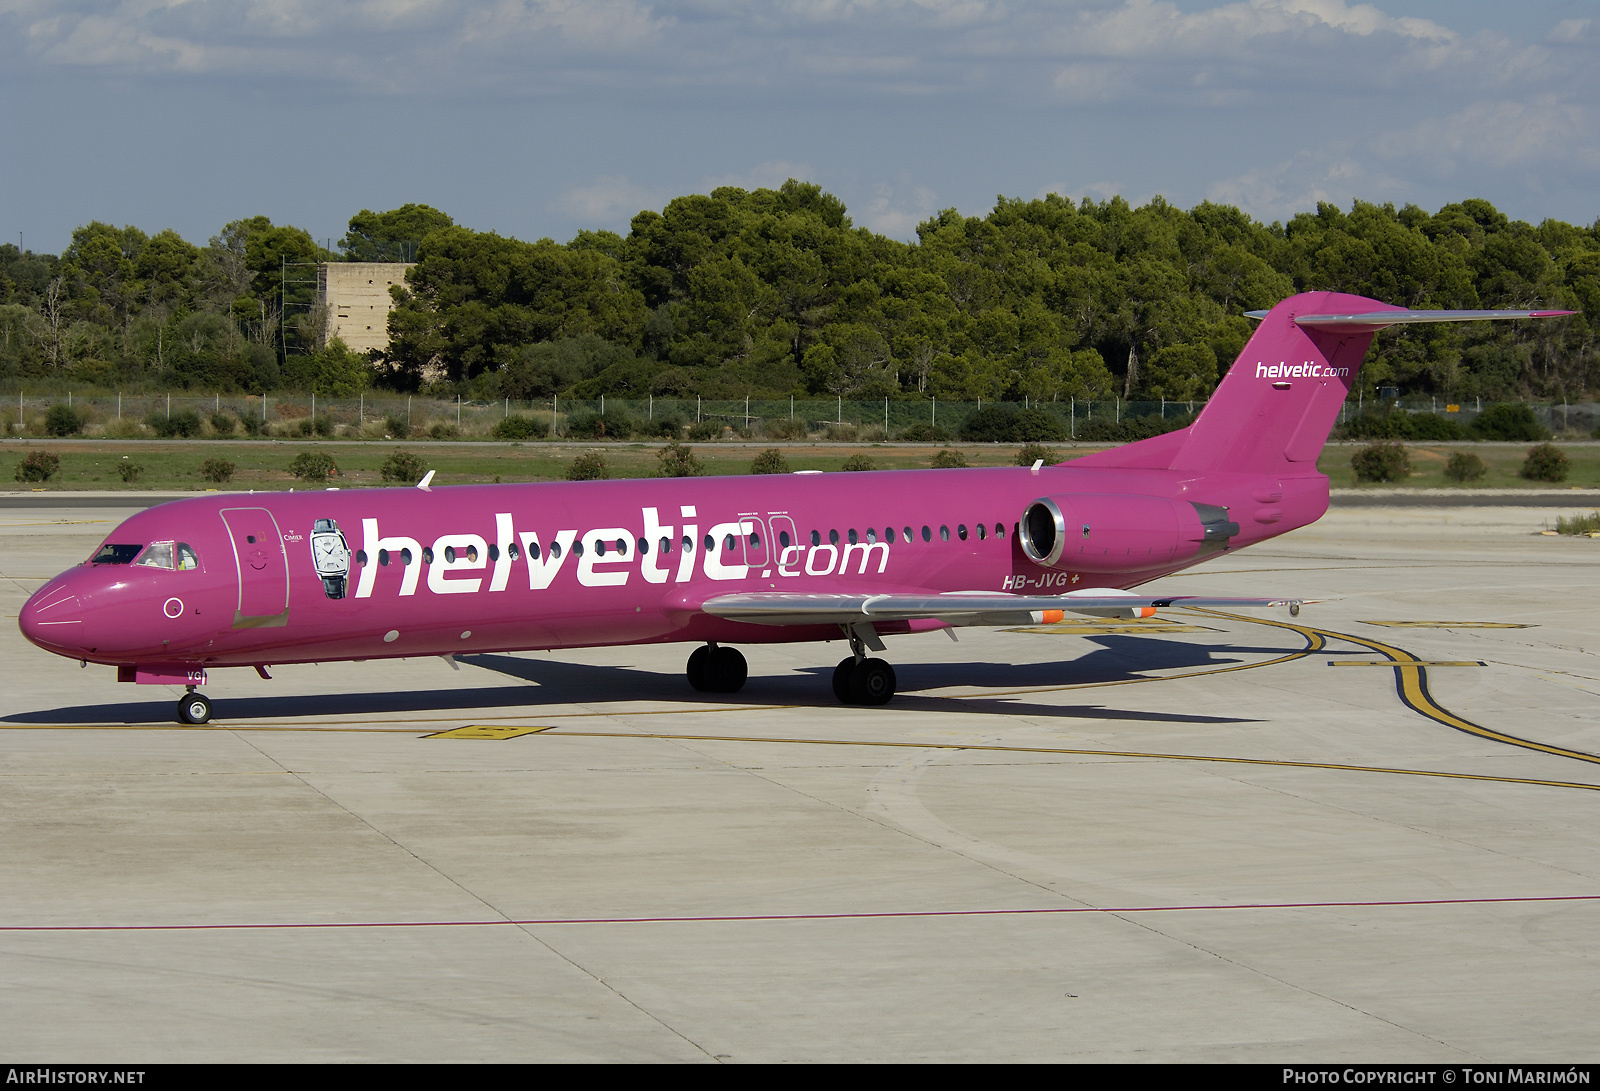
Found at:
<point>735,919</point>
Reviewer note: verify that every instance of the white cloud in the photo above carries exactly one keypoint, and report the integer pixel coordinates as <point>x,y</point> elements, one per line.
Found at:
<point>769,175</point>
<point>896,209</point>
<point>609,201</point>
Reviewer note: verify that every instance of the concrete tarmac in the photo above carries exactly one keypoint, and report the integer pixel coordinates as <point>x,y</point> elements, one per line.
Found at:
<point>1212,838</point>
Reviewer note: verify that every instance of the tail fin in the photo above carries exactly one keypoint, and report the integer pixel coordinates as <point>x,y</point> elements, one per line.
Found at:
<point>1273,411</point>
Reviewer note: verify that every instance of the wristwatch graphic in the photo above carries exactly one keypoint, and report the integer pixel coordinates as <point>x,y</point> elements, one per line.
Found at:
<point>331,556</point>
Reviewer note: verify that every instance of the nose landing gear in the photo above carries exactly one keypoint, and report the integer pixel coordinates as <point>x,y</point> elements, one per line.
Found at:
<point>717,670</point>
<point>194,708</point>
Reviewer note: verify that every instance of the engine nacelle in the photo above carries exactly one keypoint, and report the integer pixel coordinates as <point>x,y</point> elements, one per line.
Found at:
<point>1098,532</point>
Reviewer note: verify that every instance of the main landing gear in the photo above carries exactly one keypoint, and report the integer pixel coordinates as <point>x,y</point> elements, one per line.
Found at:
<point>194,708</point>
<point>717,670</point>
<point>858,680</point>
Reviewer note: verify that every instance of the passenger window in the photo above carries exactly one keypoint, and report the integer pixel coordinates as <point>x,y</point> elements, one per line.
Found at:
<point>907,531</point>
<point>666,546</point>
<point>449,554</point>
<point>999,530</point>
<point>644,547</point>
<point>554,551</point>
<point>944,534</point>
<point>599,549</point>
<point>577,549</point>
<point>927,535</point>
<point>427,555</point>
<point>494,551</point>
<point>187,561</point>
<point>728,544</point>
<point>361,557</point>
<point>159,555</point>
<point>711,544</point>
<point>405,557</point>
<point>472,554</point>
<point>383,558</point>
<point>961,531</point>
<point>783,538</point>
<point>833,537</point>
<point>983,532</point>
<point>816,539</point>
<point>852,533</point>
<point>514,552</point>
<point>688,544</point>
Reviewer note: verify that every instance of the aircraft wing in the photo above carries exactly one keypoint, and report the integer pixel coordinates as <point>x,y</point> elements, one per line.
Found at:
<point>956,607</point>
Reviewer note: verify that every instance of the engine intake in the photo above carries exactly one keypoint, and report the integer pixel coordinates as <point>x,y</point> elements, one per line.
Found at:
<point>1111,533</point>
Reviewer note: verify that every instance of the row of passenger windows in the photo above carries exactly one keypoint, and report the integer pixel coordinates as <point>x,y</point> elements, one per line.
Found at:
<point>730,543</point>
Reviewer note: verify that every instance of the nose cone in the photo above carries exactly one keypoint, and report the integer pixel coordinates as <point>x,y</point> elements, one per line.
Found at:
<point>53,618</point>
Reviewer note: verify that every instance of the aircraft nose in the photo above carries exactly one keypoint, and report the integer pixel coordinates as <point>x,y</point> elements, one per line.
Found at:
<point>53,618</point>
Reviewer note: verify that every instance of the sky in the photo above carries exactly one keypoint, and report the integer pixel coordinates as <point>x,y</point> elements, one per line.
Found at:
<point>540,118</point>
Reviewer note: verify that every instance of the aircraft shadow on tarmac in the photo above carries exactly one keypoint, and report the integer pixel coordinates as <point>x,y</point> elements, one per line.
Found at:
<point>1119,658</point>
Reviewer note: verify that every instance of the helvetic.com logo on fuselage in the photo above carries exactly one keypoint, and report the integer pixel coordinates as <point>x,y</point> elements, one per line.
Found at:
<point>728,551</point>
<point>1308,370</point>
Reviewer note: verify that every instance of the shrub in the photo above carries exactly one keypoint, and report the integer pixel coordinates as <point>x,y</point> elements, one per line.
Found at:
<point>1464,466</point>
<point>313,466</point>
<point>845,432</point>
<point>217,470</point>
<point>1546,462</point>
<point>613,424</point>
<point>38,466</point>
<point>925,433</point>
<point>1130,429</point>
<point>1400,425</point>
<point>129,471</point>
<point>396,426</point>
<point>676,460</point>
<point>444,431</point>
<point>322,426</point>
<point>1036,452</point>
<point>185,423</point>
<point>1385,460</point>
<point>947,459</point>
<point>705,430</point>
<point>770,461</point>
<point>590,466</point>
<point>222,423</point>
<point>665,427</point>
<point>516,428</point>
<point>1001,423</point>
<point>403,466</point>
<point>1508,421</point>
<point>784,428</point>
<point>62,420</point>
<point>856,463</point>
<point>1578,524</point>
<point>252,426</point>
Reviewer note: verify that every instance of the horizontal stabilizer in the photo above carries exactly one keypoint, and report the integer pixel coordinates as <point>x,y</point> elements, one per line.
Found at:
<point>1379,320</point>
<point>955,608</point>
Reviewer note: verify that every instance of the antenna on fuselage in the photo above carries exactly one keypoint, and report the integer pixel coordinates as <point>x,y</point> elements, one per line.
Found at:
<point>423,484</point>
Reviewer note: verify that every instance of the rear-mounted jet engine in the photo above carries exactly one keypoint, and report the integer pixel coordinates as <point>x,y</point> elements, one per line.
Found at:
<point>1111,533</point>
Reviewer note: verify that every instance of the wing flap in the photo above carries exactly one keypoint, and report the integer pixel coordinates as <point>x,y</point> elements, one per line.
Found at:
<point>955,608</point>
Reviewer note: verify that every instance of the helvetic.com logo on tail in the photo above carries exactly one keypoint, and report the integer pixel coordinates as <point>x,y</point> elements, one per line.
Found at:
<point>1308,370</point>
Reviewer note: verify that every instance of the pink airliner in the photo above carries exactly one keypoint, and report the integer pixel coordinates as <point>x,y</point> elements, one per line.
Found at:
<point>253,580</point>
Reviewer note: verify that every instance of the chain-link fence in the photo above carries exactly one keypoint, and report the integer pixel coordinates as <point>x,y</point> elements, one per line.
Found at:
<point>380,415</point>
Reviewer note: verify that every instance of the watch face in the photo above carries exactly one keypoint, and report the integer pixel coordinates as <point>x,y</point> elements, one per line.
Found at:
<point>330,555</point>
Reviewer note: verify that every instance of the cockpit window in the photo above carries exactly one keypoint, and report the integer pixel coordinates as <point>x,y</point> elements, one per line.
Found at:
<point>187,561</point>
<point>113,553</point>
<point>158,555</point>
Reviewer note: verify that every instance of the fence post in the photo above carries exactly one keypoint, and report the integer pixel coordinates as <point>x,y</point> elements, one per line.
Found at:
<point>935,421</point>
<point>886,416</point>
<point>1072,408</point>
<point>458,412</point>
<point>791,407</point>
<point>747,412</point>
<point>841,408</point>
